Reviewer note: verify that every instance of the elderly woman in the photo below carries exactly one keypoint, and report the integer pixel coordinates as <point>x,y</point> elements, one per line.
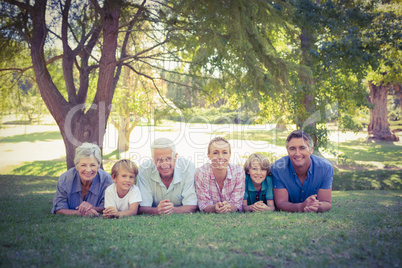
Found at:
<point>81,189</point>
<point>218,184</point>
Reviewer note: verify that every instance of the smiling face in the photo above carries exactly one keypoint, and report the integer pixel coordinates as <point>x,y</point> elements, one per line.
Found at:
<point>257,174</point>
<point>124,181</point>
<point>164,161</point>
<point>87,169</point>
<point>219,154</point>
<point>299,153</point>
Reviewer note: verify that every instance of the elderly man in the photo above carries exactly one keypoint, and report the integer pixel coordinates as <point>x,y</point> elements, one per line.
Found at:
<point>302,181</point>
<point>167,181</point>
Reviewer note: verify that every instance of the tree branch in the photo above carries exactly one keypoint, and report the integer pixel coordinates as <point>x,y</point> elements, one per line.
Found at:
<point>22,70</point>
<point>153,82</point>
<point>21,5</point>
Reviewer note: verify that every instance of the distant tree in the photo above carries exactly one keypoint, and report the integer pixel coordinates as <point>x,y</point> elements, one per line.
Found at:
<point>19,93</point>
<point>133,102</point>
<point>329,32</point>
<point>340,43</point>
<point>386,33</point>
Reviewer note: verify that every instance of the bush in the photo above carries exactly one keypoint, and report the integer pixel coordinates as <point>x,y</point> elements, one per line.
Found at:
<point>221,115</point>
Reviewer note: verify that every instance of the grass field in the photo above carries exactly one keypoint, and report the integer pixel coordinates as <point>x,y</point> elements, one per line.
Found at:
<point>363,229</point>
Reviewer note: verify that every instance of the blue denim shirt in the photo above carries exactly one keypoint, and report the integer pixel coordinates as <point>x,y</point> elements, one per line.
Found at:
<point>319,176</point>
<point>68,193</point>
<point>250,193</point>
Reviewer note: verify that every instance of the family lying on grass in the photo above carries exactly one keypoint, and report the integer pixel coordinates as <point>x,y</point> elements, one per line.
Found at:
<point>299,182</point>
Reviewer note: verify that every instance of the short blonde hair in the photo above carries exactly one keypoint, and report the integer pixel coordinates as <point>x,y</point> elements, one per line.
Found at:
<point>127,164</point>
<point>218,139</point>
<point>86,150</point>
<point>262,159</point>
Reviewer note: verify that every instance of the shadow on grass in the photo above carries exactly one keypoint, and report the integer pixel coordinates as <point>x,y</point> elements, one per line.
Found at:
<point>32,137</point>
<point>367,180</point>
<point>21,122</point>
<point>372,151</point>
<point>41,168</point>
<point>51,168</point>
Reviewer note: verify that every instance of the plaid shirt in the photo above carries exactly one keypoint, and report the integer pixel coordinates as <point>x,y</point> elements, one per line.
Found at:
<point>207,188</point>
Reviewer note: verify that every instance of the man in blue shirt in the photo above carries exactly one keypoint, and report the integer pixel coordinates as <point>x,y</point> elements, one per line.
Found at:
<point>302,181</point>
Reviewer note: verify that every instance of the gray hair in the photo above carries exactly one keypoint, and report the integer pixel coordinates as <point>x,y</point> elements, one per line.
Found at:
<point>300,134</point>
<point>163,143</point>
<point>86,150</point>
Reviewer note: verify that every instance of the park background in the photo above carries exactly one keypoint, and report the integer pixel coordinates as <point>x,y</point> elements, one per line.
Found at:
<point>122,73</point>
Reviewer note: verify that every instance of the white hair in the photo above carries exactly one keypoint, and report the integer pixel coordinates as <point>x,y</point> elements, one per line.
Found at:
<point>163,143</point>
<point>86,150</point>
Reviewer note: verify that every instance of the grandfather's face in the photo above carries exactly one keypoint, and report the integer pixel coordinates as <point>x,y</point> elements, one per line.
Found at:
<point>164,161</point>
<point>299,153</point>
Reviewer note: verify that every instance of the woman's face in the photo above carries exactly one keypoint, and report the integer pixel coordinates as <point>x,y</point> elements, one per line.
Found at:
<point>219,154</point>
<point>87,168</point>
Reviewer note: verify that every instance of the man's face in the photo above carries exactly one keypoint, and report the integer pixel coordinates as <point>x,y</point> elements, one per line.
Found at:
<point>164,161</point>
<point>299,152</point>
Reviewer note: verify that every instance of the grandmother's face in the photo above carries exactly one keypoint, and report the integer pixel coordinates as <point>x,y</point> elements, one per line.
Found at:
<point>87,168</point>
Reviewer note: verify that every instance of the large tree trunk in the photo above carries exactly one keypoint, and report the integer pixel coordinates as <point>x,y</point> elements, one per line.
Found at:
<point>378,128</point>
<point>77,125</point>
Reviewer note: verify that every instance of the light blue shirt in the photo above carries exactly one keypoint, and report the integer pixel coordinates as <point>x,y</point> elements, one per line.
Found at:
<point>319,176</point>
<point>181,191</point>
<point>68,193</point>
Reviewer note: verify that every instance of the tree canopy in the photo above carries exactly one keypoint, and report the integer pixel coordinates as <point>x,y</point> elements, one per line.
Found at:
<point>304,62</point>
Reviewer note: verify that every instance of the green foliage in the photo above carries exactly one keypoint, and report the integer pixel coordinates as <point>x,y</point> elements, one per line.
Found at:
<point>299,62</point>
<point>362,229</point>
<point>19,92</point>
<point>221,115</point>
<point>242,45</point>
<point>341,42</point>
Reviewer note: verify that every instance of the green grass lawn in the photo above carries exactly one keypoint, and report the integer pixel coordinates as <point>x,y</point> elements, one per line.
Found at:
<point>363,229</point>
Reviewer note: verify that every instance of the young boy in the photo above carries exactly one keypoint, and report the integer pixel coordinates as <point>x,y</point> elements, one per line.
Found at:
<point>258,194</point>
<point>122,197</point>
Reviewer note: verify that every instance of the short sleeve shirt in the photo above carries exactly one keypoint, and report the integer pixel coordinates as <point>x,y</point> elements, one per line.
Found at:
<point>265,194</point>
<point>181,190</point>
<point>208,192</point>
<point>68,192</point>
<point>112,199</point>
<point>319,176</point>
